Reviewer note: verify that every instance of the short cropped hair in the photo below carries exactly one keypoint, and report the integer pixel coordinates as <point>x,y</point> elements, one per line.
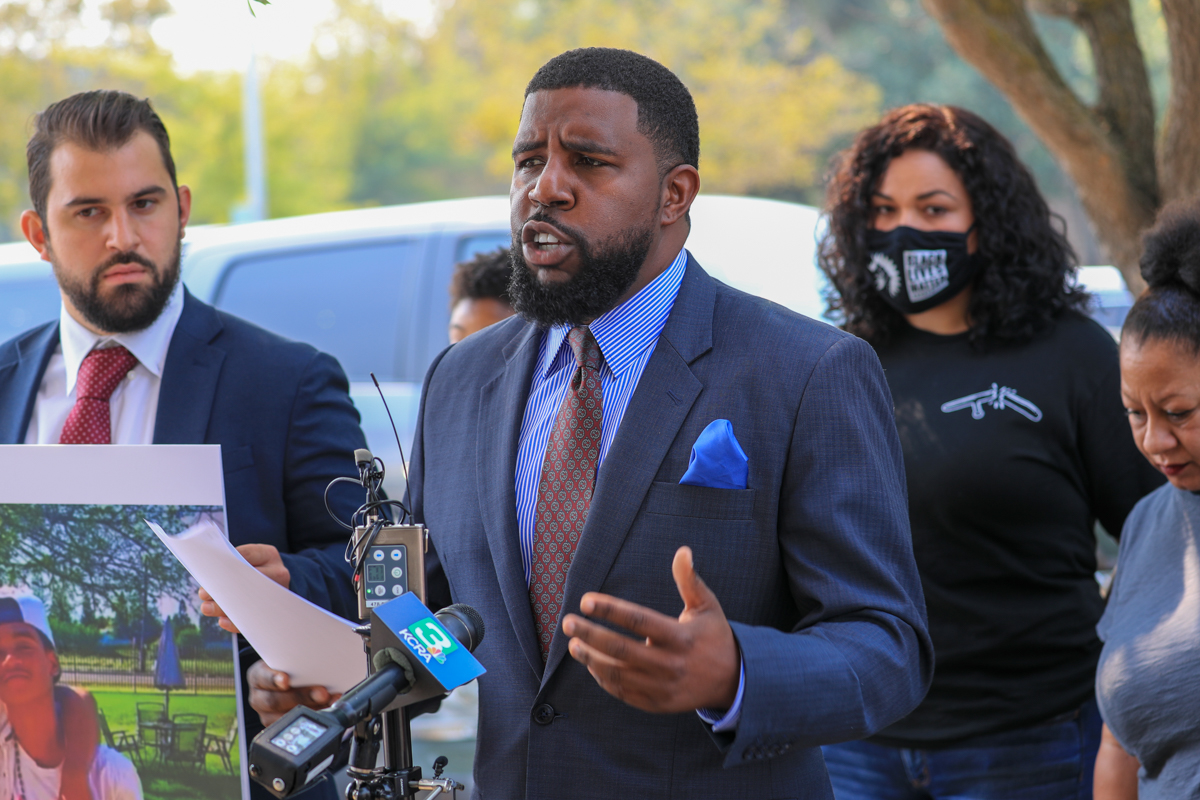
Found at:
<point>666,111</point>
<point>1169,310</point>
<point>483,277</point>
<point>100,121</point>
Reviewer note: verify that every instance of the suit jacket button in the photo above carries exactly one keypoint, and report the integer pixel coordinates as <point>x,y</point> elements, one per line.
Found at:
<point>543,714</point>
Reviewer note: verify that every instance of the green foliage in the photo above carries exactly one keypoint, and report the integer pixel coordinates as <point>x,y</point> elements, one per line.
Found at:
<point>75,637</point>
<point>382,113</point>
<point>102,558</point>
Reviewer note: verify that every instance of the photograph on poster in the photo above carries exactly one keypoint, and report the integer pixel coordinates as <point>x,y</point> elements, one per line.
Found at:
<point>112,684</point>
<point>101,630</point>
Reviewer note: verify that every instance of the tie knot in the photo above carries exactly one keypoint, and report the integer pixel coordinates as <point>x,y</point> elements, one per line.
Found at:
<point>102,370</point>
<point>585,348</point>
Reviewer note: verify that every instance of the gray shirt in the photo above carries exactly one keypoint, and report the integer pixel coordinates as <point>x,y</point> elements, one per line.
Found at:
<point>1148,682</point>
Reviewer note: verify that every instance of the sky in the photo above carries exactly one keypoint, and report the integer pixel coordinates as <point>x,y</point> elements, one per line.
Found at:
<point>219,34</point>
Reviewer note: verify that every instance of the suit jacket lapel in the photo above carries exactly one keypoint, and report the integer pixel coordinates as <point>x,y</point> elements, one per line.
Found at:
<point>21,378</point>
<point>501,410</point>
<point>660,404</point>
<point>190,374</point>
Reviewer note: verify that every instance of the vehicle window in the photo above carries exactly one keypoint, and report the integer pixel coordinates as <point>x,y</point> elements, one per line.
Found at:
<point>26,303</point>
<point>470,246</point>
<point>348,300</point>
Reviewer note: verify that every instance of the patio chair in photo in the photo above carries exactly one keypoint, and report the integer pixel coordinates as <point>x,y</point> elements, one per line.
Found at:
<point>188,745</point>
<point>222,746</point>
<point>153,730</point>
<point>122,741</point>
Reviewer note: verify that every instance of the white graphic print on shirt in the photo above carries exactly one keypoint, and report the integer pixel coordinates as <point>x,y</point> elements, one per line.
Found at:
<point>998,397</point>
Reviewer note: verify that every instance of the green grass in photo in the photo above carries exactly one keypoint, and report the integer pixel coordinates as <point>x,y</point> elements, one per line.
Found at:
<point>169,781</point>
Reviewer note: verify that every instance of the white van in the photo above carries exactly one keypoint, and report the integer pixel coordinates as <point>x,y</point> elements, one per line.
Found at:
<point>370,286</point>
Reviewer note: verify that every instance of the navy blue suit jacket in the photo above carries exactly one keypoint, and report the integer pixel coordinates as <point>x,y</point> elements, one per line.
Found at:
<point>812,562</point>
<point>282,414</point>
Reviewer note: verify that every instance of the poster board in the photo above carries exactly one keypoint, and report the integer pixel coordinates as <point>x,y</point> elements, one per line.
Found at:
<point>124,617</point>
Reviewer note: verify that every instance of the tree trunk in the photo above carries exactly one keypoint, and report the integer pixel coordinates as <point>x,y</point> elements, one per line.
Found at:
<point>1179,148</point>
<point>1108,150</point>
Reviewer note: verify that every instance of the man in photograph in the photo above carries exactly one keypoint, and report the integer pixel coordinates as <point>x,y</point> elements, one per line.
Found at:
<point>32,749</point>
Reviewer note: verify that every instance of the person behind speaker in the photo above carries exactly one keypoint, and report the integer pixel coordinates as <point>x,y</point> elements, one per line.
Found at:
<point>946,259</point>
<point>479,293</point>
<point>134,358</point>
<point>1148,680</point>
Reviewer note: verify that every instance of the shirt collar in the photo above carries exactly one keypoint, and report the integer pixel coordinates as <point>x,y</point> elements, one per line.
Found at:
<point>149,345</point>
<point>628,329</point>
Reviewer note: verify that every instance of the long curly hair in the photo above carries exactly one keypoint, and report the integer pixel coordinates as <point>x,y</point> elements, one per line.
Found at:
<point>1026,282</point>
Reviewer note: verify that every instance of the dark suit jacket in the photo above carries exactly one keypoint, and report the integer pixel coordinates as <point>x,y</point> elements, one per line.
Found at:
<point>280,411</point>
<point>812,562</point>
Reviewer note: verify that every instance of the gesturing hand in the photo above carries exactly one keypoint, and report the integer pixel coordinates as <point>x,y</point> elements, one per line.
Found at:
<point>679,665</point>
<point>266,559</point>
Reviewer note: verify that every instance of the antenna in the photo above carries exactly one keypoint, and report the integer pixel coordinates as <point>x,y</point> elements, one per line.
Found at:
<point>403,463</point>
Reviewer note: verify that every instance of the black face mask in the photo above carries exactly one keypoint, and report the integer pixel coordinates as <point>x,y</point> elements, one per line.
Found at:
<point>918,270</point>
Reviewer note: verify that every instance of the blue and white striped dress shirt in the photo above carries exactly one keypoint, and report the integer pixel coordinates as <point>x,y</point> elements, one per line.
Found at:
<point>627,336</point>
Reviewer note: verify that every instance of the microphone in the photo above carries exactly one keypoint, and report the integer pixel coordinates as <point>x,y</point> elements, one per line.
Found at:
<point>394,676</point>
<point>423,659</point>
<point>464,623</point>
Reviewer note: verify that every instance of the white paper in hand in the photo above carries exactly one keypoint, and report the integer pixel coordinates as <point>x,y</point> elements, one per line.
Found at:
<point>315,647</point>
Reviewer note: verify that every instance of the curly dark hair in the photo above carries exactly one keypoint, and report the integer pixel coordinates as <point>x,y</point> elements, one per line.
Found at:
<point>1025,283</point>
<point>1170,308</point>
<point>666,111</point>
<point>482,277</point>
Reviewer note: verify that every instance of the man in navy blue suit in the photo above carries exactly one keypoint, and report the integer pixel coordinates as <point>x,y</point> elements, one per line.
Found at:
<point>135,359</point>
<point>641,425</point>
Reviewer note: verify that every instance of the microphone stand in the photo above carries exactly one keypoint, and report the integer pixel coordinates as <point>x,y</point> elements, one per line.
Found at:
<point>398,778</point>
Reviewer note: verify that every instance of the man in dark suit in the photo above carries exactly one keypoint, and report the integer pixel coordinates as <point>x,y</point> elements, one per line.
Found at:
<point>554,467</point>
<point>135,359</point>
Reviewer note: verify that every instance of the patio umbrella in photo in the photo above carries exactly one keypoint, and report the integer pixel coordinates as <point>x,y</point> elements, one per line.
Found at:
<point>168,672</point>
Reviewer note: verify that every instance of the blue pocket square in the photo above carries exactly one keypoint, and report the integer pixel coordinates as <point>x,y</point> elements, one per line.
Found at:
<point>717,460</point>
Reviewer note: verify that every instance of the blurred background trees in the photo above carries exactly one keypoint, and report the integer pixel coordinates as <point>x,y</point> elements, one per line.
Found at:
<point>382,111</point>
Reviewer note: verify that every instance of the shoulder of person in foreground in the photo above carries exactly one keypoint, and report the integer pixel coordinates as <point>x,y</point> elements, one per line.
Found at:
<point>1141,527</point>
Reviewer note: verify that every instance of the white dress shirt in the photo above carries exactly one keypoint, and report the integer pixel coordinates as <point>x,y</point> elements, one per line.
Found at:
<point>134,403</point>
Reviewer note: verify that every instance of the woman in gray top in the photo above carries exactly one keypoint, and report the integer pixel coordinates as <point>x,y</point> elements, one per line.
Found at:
<point>1148,683</point>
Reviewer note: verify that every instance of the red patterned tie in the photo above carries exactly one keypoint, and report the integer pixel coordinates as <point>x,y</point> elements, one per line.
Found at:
<point>565,491</point>
<point>89,421</point>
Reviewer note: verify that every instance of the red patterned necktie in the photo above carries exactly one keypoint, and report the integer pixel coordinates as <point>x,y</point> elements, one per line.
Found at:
<point>565,490</point>
<point>89,421</point>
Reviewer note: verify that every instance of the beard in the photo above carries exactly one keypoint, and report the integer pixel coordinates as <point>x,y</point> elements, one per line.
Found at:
<point>128,307</point>
<point>605,273</point>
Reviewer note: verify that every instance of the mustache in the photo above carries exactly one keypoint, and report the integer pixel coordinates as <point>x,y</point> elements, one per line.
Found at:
<point>127,257</point>
<point>576,235</point>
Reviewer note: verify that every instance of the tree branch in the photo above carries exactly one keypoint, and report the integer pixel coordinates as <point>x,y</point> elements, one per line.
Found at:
<point>1124,102</point>
<point>1178,153</point>
<point>998,38</point>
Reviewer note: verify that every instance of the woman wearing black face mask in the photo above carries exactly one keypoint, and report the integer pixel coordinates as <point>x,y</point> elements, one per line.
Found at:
<point>942,254</point>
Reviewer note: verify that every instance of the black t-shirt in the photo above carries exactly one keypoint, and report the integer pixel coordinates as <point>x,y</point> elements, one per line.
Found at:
<point>1012,454</point>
